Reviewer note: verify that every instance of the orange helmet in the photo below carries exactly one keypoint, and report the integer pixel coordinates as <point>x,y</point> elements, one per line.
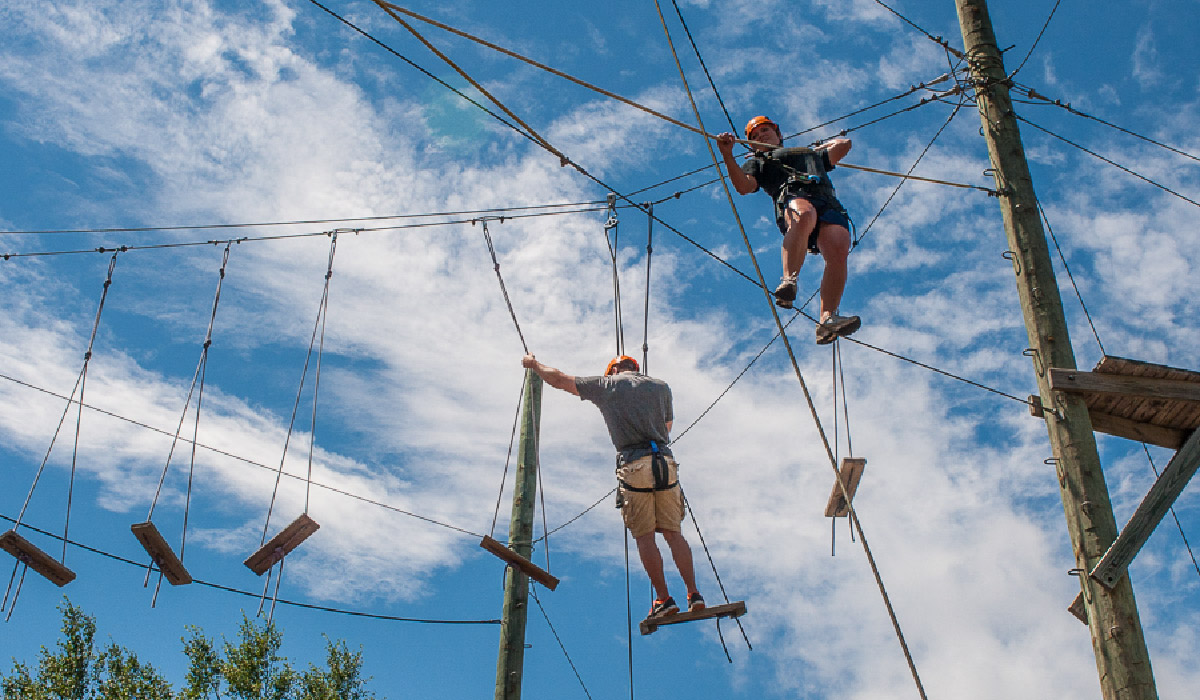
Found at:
<point>619,360</point>
<point>759,121</point>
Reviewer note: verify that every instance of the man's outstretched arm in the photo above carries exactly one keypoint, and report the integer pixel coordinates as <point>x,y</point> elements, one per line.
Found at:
<point>553,377</point>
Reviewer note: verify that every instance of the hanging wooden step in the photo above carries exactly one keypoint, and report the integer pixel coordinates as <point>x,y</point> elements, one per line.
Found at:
<point>532,570</point>
<point>282,544</point>
<point>736,609</point>
<point>36,559</point>
<point>851,473</point>
<point>161,553</point>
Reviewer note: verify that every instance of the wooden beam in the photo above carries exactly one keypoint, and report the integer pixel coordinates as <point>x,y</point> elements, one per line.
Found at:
<point>1074,380</point>
<point>850,473</point>
<point>161,553</point>
<point>282,544</point>
<point>1153,507</point>
<point>737,609</point>
<point>532,570</point>
<point>1170,438</point>
<point>36,559</point>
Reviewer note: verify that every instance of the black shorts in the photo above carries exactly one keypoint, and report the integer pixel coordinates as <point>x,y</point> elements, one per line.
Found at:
<point>829,212</point>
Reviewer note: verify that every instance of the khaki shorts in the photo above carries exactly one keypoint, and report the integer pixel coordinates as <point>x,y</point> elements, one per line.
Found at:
<point>647,511</point>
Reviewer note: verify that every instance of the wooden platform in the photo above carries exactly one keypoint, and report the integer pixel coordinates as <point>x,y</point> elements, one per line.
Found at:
<point>282,544</point>
<point>1141,401</point>
<point>851,473</point>
<point>532,570</point>
<point>736,609</point>
<point>161,553</point>
<point>36,559</point>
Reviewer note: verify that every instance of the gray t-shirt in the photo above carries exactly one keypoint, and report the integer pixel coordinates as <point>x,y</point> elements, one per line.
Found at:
<point>636,409</point>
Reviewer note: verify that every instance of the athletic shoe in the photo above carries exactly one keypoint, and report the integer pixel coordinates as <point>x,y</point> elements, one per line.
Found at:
<point>663,608</point>
<point>695,602</point>
<point>785,293</point>
<point>834,326</point>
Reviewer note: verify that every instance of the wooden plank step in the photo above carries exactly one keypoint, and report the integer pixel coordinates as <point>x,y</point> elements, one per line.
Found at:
<point>736,609</point>
<point>36,559</point>
<point>530,569</point>
<point>161,553</point>
<point>851,473</point>
<point>282,544</point>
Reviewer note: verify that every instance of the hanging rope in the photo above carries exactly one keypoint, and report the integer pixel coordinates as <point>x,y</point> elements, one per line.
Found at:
<point>796,367</point>
<point>80,385</point>
<point>198,378</point>
<point>507,459</point>
<point>646,307</point>
<point>318,325</point>
<point>503,290</point>
<point>611,224</point>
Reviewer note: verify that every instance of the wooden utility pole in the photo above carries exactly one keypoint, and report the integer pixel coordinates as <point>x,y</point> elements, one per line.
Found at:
<point>520,540</point>
<point>1117,640</point>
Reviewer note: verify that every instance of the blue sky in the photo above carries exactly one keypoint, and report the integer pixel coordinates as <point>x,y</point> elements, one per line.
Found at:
<point>148,114</point>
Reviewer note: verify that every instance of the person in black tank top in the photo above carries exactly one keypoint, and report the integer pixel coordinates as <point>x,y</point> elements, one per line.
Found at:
<point>807,212</point>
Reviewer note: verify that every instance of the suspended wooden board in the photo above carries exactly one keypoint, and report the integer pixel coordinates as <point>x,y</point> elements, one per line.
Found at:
<point>161,553</point>
<point>282,544</point>
<point>736,609</point>
<point>851,473</point>
<point>532,570</point>
<point>1137,400</point>
<point>36,559</point>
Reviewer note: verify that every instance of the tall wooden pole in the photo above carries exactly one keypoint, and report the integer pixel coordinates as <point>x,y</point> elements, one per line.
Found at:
<point>520,540</point>
<point>1117,640</point>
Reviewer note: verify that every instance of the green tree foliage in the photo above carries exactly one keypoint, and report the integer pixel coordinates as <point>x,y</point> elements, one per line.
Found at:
<point>248,669</point>
<point>78,671</point>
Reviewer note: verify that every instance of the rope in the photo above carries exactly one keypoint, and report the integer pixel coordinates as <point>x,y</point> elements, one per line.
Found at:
<point>228,589</point>
<point>533,591</point>
<point>1036,40</point>
<point>612,225</point>
<point>1139,176</point>
<point>503,290</point>
<point>935,39</point>
<point>71,399</point>
<point>1074,285</point>
<point>799,376</point>
<point>1034,94</point>
<point>712,565</point>
<point>910,177</point>
<point>508,458</point>
<point>703,65</point>
<point>296,406</point>
<point>646,307</point>
<point>628,613</point>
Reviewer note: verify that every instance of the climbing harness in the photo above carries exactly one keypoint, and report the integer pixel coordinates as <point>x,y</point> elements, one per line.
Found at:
<point>659,469</point>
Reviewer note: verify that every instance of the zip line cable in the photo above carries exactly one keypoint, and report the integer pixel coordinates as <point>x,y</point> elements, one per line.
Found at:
<point>703,65</point>
<point>1036,40</point>
<point>301,222</point>
<point>800,377</point>
<point>1110,162</point>
<point>1063,258</point>
<point>508,458</point>
<point>1179,526</point>
<point>612,224</point>
<point>1040,99</point>
<point>533,591</point>
<point>935,39</point>
<point>248,594</point>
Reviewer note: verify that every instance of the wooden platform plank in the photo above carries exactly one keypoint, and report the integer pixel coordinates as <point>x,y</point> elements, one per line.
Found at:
<point>161,553</point>
<point>1171,438</point>
<point>851,472</point>
<point>282,544</point>
<point>1167,487</point>
<point>736,609</point>
<point>1148,387</point>
<point>36,559</point>
<point>530,569</point>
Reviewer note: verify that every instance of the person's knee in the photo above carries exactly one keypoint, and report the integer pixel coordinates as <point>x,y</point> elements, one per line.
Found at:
<point>834,243</point>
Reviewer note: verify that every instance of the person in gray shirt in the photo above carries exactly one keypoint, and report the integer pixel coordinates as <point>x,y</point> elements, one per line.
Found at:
<point>637,410</point>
